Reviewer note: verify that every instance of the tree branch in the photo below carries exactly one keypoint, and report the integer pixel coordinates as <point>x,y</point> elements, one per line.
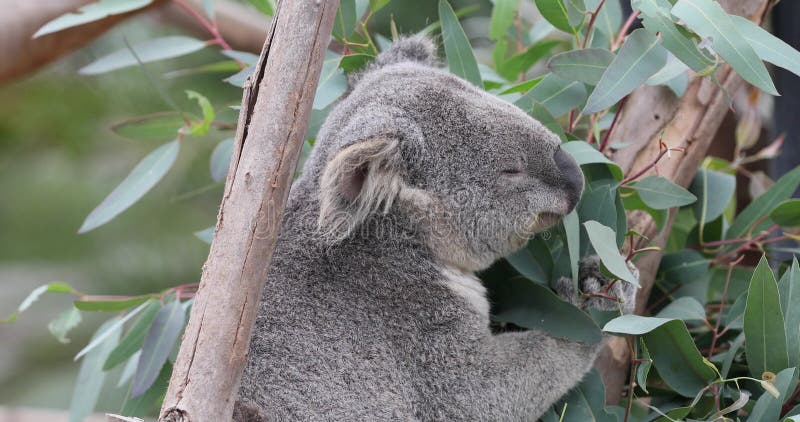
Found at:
<point>276,108</point>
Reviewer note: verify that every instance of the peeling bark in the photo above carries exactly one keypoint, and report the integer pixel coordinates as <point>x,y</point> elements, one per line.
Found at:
<point>276,108</point>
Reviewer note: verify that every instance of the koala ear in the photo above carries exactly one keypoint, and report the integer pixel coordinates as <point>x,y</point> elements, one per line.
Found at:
<point>359,181</point>
<point>416,49</point>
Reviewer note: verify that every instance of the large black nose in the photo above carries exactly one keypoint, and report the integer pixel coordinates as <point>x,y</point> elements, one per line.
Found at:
<point>571,179</point>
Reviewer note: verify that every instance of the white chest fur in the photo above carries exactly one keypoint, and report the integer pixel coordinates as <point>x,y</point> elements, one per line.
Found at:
<point>468,286</point>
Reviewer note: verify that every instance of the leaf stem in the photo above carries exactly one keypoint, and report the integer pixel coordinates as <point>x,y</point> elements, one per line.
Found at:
<point>591,23</point>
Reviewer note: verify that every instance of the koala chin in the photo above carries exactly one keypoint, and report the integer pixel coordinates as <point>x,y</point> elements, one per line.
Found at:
<point>371,310</point>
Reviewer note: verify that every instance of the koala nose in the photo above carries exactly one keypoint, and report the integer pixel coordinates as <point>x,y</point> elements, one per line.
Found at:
<point>571,177</point>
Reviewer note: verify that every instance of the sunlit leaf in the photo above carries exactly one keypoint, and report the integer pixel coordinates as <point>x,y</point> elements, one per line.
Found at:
<point>208,113</point>
<point>110,303</point>
<point>764,331</point>
<point>604,241</point>
<point>460,58</point>
<point>640,57</point>
<point>158,344</point>
<point>522,86</point>
<point>147,51</point>
<point>140,180</point>
<point>91,374</point>
<point>90,13</point>
<point>708,19</point>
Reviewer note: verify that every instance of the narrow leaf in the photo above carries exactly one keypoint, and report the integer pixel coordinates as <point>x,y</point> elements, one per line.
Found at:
<point>91,374</point>
<point>768,407</point>
<point>460,59</point>
<point>332,82</point>
<point>206,235</point>
<point>639,58</point>
<point>604,241</point>
<point>708,19</point>
<point>221,159</point>
<point>147,51</point>
<point>764,331</point>
<point>157,126</point>
<point>768,47</point>
<point>656,19</point>
<point>90,13</point>
<point>102,334</point>
<point>158,344</point>
<point>787,213</point>
<point>503,14</point>
<point>585,65</point>
<point>134,338</point>
<point>143,177</point>
<point>110,303</point>
<point>789,288</point>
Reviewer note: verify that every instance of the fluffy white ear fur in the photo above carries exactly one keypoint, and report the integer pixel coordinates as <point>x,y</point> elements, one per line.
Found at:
<point>362,179</point>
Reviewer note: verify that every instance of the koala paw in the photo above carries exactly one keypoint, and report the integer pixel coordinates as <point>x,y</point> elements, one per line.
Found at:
<point>595,291</point>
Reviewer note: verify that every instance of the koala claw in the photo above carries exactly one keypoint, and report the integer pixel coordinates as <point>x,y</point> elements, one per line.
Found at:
<point>593,282</point>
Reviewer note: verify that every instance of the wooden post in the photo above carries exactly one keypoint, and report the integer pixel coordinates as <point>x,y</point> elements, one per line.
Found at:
<point>689,122</point>
<point>272,124</point>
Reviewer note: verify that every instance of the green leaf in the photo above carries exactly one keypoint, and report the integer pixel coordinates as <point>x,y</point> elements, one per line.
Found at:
<point>244,57</point>
<point>221,159</point>
<point>763,324</point>
<point>555,12</point>
<point>609,18</point>
<point>110,303</point>
<point>346,20</point>
<point>521,63</point>
<point>709,20</point>
<point>522,86</point>
<point>90,13</point>
<point>585,65</point>
<point>239,78</point>
<point>640,57</point>
<point>768,408</point>
<point>201,128</point>
<point>129,369</point>
<point>157,126</point>
<point>101,336</point>
<point>684,308</point>
<point>672,349</point>
<point>656,19</point>
<point>134,338</point>
<point>586,401</point>
<point>533,261</point>
<point>661,194</point>
<point>332,82</point>
<point>503,14</point>
<point>540,113</point>
<point>643,370</point>
<point>557,95</point>
<point>34,295</point>
<point>787,213</point>
<point>355,62</point>
<point>66,321</point>
<point>150,401</point>
<point>599,203</point>
<point>147,51</point>
<point>143,177</point>
<point>736,344</point>
<point>583,153</point>
<point>768,47</point>
<point>264,6</point>
<point>572,229</point>
<point>714,191</point>
<point>530,305</point>
<point>764,204</point>
<point>604,241</point>
<point>375,5</point>
<point>789,288</point>
<point>158,344</point>
<point>206,235</point>
<point>460,58</point>
<point>91,374</point>
<point>223,66</point>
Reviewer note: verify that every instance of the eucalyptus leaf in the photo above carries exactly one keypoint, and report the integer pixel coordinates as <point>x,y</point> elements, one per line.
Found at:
<point>604,241</point>
<point>714,191</point>
<point>684,308</point>
<point>557,95</point>
<point>768,408</point>
<point>90,13</point>
<point>221,159</point>
<point>656,19</point>
<point>640,57</point>
<point>156,126</point>
<point>555,12</point>
<point>133,339</point>
<point>585,65</point>
<point>143,177</point>
<point>34,295</point>
<point>332,82</point>
<point>503,14</point>
<point>158,344</point>
<point>91,374</point>
<point>763,205</point>
<point>346,19</point>
<point>147,51</point>
<point>583,153</point>
<point>104,333</point>
<point>206,235</point>
<point>110,303</point>
<point>708,19</point>
<point>789,288</point>
<point>660,193</point>
<point>208,112</point>
<point>764,329</point>
<point>769,47</point>
<point>65,322</point>
<point>787,213</point>
<point>460,58</point>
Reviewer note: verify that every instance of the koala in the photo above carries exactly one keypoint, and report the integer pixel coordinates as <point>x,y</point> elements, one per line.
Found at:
<point>372,310</point>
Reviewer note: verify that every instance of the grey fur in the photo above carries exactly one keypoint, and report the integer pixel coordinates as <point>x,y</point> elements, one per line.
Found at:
<point>370,311</point>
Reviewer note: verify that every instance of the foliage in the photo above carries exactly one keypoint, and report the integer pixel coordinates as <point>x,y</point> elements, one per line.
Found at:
<point>723,338</point>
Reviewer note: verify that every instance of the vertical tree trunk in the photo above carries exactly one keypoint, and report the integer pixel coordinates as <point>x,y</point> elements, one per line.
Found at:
<point>272,124</point>
<point>689,122</point>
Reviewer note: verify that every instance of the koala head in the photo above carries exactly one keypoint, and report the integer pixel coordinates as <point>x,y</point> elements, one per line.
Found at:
<point>475,175</point>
